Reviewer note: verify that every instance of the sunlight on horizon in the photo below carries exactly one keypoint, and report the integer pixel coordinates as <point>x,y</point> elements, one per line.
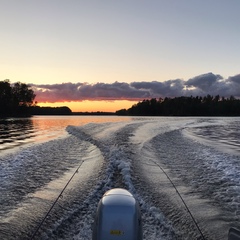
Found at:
<point>92,106</point>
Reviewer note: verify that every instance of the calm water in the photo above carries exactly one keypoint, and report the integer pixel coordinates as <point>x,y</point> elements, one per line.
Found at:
<point>38,156</point>
<point>17,132</point>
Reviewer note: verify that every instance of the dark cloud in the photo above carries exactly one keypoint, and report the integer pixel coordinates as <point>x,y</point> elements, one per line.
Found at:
<point>233,86</point>
<point>205,82</point>
<point>155,89</point>
<point>201,85</point>
<point>235,79</point>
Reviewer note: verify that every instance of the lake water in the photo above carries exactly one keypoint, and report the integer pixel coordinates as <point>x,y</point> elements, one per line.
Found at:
<point>167,163</point>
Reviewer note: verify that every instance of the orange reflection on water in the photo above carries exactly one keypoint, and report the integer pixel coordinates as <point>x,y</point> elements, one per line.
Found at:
<point>54,126</point>
<point>16,132</point>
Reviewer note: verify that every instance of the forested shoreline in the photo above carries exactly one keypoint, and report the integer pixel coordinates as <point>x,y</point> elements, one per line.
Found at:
<point>36,110</point>
<point>185,106</point>
<point>17,100</point>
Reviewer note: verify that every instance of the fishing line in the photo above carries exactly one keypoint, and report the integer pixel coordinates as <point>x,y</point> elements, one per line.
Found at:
<point>181,199</point>
<point>59,196</point>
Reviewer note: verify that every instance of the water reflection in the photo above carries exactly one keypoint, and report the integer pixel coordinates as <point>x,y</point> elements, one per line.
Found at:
<point>14,132</point>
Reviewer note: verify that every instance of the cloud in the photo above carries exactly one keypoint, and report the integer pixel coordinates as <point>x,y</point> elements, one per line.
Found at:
<point>233,86</point>
<point>204,82</point>
<point>201,85</point>
<point>155,89</point>
<point>235,79</point>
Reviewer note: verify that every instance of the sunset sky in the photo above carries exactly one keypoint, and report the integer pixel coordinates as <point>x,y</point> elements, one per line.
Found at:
<point>105,55</point>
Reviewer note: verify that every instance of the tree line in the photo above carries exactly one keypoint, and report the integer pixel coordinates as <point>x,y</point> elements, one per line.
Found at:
<point>18,100</point>
<point>15,99</point>
<point>36,110</point>
<point>185,106</point>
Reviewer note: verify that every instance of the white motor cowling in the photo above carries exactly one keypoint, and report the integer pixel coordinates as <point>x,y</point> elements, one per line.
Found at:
<point>118,217</point>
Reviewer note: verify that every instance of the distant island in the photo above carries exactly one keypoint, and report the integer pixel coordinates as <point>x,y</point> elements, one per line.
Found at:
<point>185,106</point>
<point>36,110</point>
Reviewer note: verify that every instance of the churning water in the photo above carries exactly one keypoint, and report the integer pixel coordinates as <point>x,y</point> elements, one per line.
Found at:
<point>184,172</point>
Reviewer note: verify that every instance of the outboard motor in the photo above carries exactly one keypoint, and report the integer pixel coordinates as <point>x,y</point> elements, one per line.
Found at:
<point>118,217</point>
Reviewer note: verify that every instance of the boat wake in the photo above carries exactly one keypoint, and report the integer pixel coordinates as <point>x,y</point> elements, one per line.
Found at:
<point>185,188</point>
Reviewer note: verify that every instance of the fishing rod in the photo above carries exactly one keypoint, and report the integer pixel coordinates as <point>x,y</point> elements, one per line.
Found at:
<point>59,196</point>
<point>184,203</point>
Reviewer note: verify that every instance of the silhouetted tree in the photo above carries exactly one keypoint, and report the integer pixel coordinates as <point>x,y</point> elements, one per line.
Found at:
<point>22,94</point>
<point>15,99</point>
<point>5,96</point>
